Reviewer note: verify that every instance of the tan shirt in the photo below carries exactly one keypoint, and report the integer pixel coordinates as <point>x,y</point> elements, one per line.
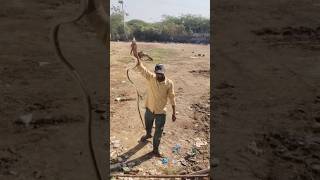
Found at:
<point>158,92</point>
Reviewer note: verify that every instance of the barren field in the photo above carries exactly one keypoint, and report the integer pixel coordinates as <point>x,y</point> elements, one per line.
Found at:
<point>43,125</point>
<point>188,66</point>
<point>266,98</point>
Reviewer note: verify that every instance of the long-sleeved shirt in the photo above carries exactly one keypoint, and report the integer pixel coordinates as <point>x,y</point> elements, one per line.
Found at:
<point>158,92</point>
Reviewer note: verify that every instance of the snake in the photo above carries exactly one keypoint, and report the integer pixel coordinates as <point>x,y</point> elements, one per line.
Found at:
<point>85,5</point>
<point>138,94</point>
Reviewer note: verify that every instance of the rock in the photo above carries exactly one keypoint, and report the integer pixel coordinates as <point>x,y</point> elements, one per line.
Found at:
<point>43,63</point>
<point>199,142</point>
<point>25,119</point>
<point>126,169</point>
<point>115,143</point>
<point>112,154</point>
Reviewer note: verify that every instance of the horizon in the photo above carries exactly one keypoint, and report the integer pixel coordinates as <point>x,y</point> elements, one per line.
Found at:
<point>153,11</point>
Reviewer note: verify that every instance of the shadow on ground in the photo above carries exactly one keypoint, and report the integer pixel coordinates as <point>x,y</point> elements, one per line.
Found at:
<point>135,162</point>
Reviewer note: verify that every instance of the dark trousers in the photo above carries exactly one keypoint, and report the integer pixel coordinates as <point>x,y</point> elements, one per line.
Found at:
<point>160,120</point>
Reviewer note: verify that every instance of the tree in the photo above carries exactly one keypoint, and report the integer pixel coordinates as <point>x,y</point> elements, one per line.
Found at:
<point>186,28</point>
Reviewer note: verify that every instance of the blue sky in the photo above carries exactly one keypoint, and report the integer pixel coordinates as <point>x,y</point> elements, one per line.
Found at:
<point>152,10</point>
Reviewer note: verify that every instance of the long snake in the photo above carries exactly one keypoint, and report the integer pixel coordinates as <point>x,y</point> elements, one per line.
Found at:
<point>73,71</point>
<point>138,94</point>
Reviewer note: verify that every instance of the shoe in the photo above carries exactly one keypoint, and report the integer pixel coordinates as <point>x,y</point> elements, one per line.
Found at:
<point>157,154</point>
<point>144,138</point>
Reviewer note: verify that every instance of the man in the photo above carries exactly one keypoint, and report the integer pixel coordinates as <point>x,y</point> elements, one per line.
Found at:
<point>160,89</point>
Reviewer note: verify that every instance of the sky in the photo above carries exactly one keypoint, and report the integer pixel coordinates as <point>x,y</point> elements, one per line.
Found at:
<point>152,10</point>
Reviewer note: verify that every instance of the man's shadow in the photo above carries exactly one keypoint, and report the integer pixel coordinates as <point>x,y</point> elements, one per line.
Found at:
<point>135,162</point>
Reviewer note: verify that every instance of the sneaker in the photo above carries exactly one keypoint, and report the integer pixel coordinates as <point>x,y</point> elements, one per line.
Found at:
<point>144,138</point>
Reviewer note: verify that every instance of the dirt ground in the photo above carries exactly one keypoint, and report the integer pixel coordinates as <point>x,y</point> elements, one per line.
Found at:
<point>266,99</point>
<point>33,81</point>
<point>188,66</point>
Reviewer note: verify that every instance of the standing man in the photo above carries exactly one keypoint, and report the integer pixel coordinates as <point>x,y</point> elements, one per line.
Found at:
<point>160,89</point>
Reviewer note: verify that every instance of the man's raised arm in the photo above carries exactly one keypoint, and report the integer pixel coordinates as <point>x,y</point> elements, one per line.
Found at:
<point>140,67</point>
<point>143,70</point>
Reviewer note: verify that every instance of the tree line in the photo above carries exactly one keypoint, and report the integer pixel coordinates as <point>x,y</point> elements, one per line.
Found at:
<point>183,29</point>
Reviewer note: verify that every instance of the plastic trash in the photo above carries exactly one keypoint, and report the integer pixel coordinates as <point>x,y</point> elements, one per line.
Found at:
<point>176,148</point>
<point>164,161</point>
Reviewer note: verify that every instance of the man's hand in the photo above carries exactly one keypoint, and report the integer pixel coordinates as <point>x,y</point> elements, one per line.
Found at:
<point>174,117</point>
<point>134,50</point>
<point>174,113</point>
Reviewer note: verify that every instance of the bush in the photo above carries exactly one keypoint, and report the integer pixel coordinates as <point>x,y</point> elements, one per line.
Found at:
<point>183,29</point>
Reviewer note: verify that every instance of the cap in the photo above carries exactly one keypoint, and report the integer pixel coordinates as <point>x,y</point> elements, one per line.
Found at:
<point>159,68</point>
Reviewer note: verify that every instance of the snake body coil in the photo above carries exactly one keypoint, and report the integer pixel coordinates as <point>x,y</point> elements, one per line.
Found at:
<point>138,95</point>
<point>76,75</point>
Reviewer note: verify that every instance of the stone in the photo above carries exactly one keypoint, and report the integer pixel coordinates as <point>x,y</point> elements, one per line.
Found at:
<point>126,169</point>
<point>43,63</point>
<point>25,119</point>
<point>115,143</point>
<point>199,142</point>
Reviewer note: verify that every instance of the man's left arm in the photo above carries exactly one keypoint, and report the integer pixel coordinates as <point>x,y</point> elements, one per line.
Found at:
<point>172,99</point>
